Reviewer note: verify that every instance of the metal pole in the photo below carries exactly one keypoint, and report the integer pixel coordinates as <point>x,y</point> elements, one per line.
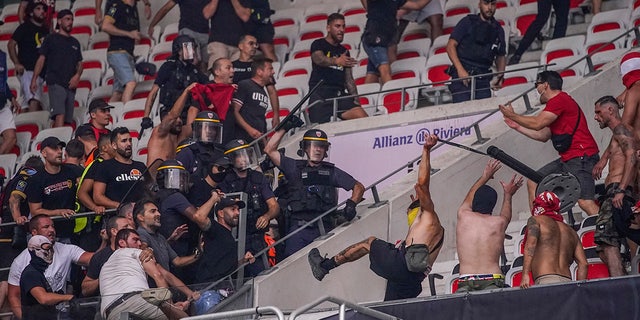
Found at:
<point>242,312</point>
<point>473,88</point>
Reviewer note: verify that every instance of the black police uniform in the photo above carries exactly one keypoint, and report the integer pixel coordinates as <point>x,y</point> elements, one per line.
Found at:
<point>258,190</point>
<point>173,77</point>
<point>197,157</point>
<point>479,42</point>
<point>311,191</point>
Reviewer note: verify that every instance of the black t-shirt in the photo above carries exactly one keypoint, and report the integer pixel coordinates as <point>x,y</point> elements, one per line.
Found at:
<point>29,38</point>
<point>119,177</point>
<point>97,261</point>
<point>479,41</point>
<point>226,26</point>
<point>172,208</point>
<point>125,18</point>
<point>62,56</point>
<point>381,20</point>
<point>173,77</point>
<point>254,102</point>
<point>241,70</point>
<point>220,254</point>
<point>191,15</point>
<point>31,308</point>
<point>200,192</point>
<point>332,75</point>
<point>56,191</point>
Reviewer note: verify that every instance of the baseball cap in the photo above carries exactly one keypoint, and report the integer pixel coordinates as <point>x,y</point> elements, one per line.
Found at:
<point>52,142</point>
<point>99,104</point>
<point>228,202</point>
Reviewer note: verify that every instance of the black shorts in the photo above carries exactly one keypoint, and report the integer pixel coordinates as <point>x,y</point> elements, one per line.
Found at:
<point>388,262</point>
<point>322,112</point>
<point>264,33</point>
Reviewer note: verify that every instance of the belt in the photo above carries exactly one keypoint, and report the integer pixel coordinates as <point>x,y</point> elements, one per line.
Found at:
<point>480,277</point>
<point>119,301</point>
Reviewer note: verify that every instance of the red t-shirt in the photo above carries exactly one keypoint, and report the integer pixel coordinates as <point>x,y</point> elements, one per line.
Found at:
<point>567,111</point>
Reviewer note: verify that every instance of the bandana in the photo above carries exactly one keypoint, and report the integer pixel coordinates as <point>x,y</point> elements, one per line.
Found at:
<point>484,200</point>
<point>630,68</point>
<point>547,204</point>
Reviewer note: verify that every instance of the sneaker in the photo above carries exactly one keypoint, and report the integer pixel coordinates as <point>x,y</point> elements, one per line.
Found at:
<point>156,296</point>
<point>314,260</point>
<point>515,59</point>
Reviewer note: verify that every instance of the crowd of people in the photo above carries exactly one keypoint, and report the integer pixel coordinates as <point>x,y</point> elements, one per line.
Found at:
<point>168,222</point>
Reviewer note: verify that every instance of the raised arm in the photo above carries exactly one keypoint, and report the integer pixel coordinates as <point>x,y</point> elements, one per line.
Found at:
<point>489,170</point>
<point>271,148</point>
<point>510,189</point>
<point>175,111</point>
<point>424,174</point>
<point>159,15</point>
<point>533,232</point>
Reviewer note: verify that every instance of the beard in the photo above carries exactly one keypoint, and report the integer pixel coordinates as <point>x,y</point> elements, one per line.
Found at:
<point>125,153</point>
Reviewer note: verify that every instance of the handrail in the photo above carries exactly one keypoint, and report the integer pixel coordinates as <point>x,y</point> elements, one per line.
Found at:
<point>77,215</point>
<point>342,303</point>
<point>259,311</point>
<point>430,84</point>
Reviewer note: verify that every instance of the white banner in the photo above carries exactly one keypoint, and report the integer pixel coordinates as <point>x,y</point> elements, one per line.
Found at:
<point>370,155</point>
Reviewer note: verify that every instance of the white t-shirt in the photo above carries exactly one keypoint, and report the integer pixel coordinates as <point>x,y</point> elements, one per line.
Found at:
<point>57,273</point>
<point>121,274</point>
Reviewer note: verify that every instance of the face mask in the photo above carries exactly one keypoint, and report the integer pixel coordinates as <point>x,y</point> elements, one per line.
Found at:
<point>42,248</point>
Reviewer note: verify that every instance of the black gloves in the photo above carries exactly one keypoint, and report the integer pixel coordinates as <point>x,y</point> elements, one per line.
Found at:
<point>349,210</point>
<point>291,122</point>
<point>146,124</point>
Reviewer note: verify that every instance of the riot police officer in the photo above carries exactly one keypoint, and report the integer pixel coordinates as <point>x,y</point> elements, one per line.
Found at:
<point>311,184</point>
<point>262,205</point>
<point>178,72</point>
<point>205,147</point>
<point>476,41</point>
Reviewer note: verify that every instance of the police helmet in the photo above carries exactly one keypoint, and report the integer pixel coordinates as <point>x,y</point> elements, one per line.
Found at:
<point>185,44</point>
<point>172,175</point>
<point>207,128</point>
<point>241,155</point>
<point>314,137</point>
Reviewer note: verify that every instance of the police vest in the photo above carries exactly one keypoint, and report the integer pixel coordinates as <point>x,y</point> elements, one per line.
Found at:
<point>312,193</point>
<point>204,155</point>
<point>480,47</point>
<point>82,222</point>
<point>256,205</point>
<point>183,74</point>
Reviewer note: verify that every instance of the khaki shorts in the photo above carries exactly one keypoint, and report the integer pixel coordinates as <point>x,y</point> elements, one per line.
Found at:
<point>551,278</point>
<point>217,50</point>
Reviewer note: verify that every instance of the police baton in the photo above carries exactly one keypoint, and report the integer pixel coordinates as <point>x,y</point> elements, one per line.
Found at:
<point>292,113</point>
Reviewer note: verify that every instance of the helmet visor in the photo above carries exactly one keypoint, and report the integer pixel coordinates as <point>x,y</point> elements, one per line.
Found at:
<point>190,52</point>
<point>245,158</point>
<point>176,179</point>
<point>316,150</point>
<point>207,131</point>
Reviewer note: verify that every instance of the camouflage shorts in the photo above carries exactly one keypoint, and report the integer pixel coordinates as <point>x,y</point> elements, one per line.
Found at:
<point>606,233</point>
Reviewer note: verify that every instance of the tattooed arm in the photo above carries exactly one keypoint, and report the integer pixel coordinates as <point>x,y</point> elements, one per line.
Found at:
<point>624,136</point>
<point>533,232</point>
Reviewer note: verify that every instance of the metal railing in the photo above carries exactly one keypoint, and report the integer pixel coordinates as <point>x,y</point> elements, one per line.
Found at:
<point>342,311</point>
<point>259,311</point>
<point>472,79</point>
<point>373,187</point>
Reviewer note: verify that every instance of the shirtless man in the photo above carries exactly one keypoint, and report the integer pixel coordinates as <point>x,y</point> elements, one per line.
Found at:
<point>629,99</point>
<point>619,183</point>
<point>164,137</point>
<point>407,265</point>
<point>479,235</point>
<point>550,245</point>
